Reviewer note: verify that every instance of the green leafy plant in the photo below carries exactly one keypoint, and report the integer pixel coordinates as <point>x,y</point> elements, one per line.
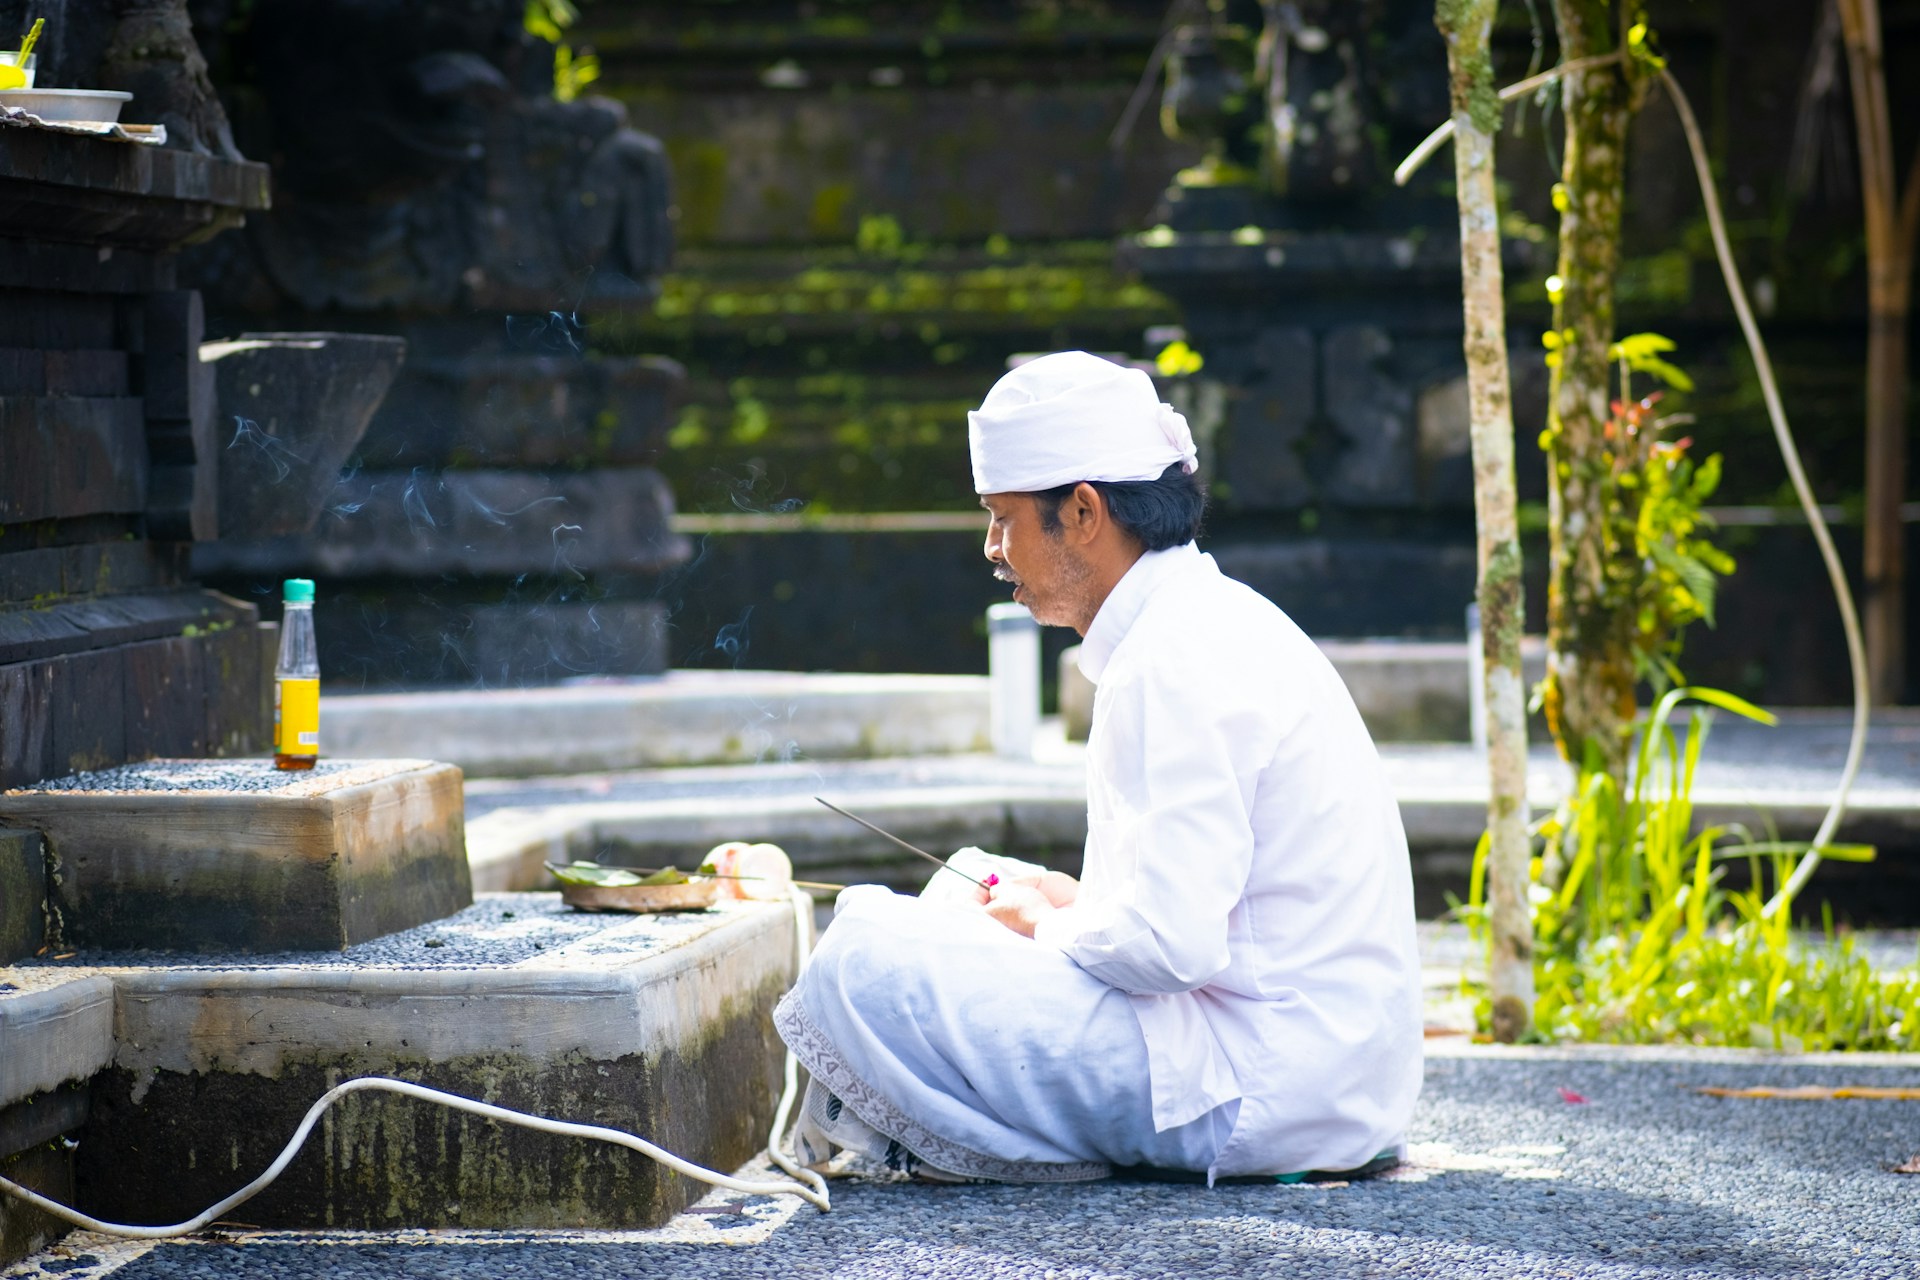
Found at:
<point>1640,942</point>
<point>1177,359</point>
<point>573,71</point>
<point>881,235</point>
<point>1664,565</point>
<point>1642,353</point>
<point>1658,565</point>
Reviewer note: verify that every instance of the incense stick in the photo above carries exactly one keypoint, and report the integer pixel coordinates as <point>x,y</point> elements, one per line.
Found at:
<point>715,875</point>
<point>804,884</point>
<point>938,862</point>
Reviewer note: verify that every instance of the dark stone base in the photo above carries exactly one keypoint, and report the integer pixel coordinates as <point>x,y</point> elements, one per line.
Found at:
<point>1359,587</point>
<point>888,601</point>
<point>48,1169</point>
<point>383,1161</point>
<point>160,1146</point>
<point>23,894</point>
<point>293,405</point>
<point>532,525</point>
<point>370,641</point>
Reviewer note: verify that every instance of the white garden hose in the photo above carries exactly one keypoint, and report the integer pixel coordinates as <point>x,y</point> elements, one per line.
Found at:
<point>1790,454</point>
<point>808,1185</point>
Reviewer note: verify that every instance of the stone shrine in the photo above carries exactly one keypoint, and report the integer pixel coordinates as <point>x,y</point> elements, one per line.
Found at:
<point>1327,305</point>
<point>110,454</point>
<point>269,932</point>
<point>500,521</point>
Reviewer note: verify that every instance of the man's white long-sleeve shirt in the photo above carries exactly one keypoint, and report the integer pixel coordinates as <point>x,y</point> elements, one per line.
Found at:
<point>1246,878</point>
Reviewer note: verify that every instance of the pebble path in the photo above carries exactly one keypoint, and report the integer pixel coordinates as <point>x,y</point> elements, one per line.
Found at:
<point>1509,1177</point>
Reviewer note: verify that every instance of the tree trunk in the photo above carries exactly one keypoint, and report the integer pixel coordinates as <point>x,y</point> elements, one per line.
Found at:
<point>1889,276</point>
<point>1590,668</point>
<point>1466,24</point>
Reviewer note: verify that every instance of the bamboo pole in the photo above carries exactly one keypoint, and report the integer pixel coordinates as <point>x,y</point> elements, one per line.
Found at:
<point>1891,225</point>
<point>1466,26</point>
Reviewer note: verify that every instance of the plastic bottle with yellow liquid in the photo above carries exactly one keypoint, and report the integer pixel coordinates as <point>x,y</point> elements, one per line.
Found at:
<point>296,682</point>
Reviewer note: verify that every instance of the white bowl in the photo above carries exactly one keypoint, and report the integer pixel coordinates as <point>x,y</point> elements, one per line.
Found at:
<point>89,106</point>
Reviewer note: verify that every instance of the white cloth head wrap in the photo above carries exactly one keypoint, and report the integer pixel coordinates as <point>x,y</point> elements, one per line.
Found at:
<point>1070,417</point>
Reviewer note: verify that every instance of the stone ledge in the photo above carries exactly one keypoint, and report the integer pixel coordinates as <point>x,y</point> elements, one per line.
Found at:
<point>53,1033</point>
<point>97,191</point>
<point>685,718</point>
<point>190,854</point>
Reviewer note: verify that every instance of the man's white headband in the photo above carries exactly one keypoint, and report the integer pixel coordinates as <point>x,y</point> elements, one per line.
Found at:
<point>1070,417</point>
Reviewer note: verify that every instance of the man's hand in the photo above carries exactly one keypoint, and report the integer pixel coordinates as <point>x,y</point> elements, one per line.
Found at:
<point>1059,888</point>
<point>1019,905</point>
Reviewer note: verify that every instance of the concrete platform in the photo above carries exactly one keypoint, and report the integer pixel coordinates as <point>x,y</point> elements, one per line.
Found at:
<point>682,718</point>
<point>201,1066</point>
<point>189,854</point>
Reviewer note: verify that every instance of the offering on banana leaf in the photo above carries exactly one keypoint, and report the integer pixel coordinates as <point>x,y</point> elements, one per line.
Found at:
<point>612,877</point>
<point>588,886</point>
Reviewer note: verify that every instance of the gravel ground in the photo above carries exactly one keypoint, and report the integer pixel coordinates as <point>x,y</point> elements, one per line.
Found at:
<point>194,775</point>
<point>498,931</point>
<point>1645,1178</point>
<point>223,777</point>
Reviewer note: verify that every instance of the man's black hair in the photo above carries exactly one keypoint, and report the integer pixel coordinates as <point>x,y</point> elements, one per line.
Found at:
<point>1157,513</point>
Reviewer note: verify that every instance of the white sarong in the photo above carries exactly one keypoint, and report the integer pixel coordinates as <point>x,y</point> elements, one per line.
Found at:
<point>981,1053</point>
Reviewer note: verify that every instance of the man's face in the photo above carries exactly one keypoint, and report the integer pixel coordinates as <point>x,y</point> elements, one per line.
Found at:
<point>1049,576</point>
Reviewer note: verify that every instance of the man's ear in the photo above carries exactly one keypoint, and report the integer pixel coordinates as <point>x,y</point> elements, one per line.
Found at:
<point>1084,512</point>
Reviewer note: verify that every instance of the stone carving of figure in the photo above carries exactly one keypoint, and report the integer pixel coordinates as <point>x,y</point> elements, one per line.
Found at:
<point>152,54</point>
<point>422,164</point>
<point>1309,96</point>
<point>144,47</point>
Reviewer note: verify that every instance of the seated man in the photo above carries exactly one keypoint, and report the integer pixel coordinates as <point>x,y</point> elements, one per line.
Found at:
<point>1232,989</point>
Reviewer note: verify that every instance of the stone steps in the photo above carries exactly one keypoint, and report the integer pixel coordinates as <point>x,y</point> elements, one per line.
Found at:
<point>320,926</point>
<point>198,1067</point>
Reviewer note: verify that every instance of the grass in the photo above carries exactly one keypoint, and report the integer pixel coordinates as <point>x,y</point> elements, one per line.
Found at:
<point>1637,940</point>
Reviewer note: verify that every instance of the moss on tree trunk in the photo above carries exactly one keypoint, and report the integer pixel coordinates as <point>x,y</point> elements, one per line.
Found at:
<point>1466,26</point>
<point>1590,664</point>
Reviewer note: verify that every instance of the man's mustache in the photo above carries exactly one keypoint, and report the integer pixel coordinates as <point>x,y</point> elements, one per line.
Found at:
<point>1006,575</point>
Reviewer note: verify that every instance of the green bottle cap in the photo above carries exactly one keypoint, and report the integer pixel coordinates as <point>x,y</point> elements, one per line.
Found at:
<point>298,591</point>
